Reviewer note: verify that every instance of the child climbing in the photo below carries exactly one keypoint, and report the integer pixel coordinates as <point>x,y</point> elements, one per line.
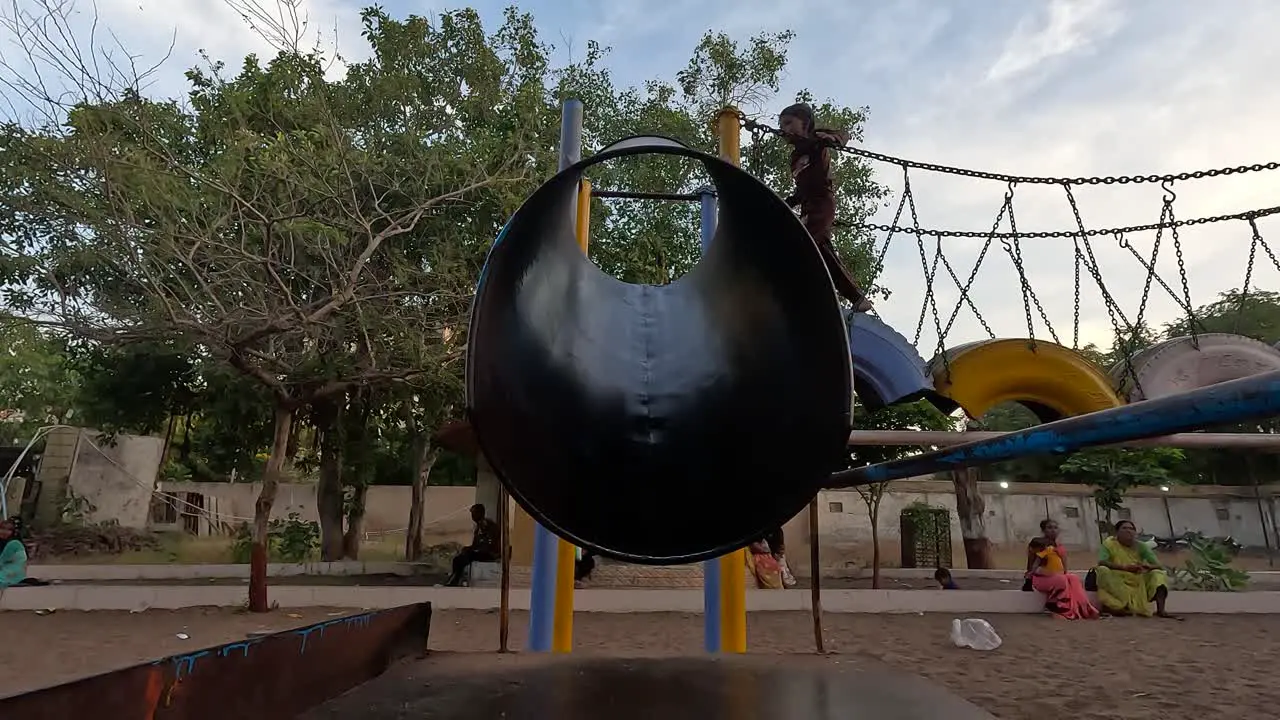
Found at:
<point>815,192</point>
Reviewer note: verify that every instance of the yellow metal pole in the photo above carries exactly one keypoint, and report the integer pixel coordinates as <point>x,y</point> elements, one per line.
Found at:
<point>733,587</point>
<point>566,553</point>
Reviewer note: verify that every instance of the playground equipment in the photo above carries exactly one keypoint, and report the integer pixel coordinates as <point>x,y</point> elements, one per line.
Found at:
<point>543,334</point>
<point>279,675</point>
<point>1185,363</point>
<point>574,377</point>
<point>887,370</point>
<point>1050,380</point>
<point>672,689</point>
<point>1237,401</point>
<point>739,370</point>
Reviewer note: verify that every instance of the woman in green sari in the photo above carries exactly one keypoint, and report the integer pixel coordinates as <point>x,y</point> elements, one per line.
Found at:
<point>1130,576</point>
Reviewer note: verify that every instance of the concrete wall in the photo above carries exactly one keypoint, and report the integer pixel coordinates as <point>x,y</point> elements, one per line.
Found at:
<point>1013,517</point>
<point>113,481</point>
<point>116,480</point>
<point>386,506</point>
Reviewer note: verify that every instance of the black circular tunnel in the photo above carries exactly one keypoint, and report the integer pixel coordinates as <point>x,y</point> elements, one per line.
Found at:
<point>660,424</point>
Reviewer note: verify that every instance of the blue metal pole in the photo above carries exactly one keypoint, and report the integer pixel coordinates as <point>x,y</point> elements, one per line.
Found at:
<point>1229,403</point>
<point>542,593</point>
<point>710,568</point>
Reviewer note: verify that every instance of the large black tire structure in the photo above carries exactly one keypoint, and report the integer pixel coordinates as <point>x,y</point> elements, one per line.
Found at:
<point>667,424</point>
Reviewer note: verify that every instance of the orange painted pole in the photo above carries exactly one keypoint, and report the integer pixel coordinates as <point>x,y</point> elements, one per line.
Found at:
<point>566,553</point>
<point>733,587</point>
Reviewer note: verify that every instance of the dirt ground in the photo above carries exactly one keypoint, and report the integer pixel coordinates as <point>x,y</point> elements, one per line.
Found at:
<point>1205,666</point>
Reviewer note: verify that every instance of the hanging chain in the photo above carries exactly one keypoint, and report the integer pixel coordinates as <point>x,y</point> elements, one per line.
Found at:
<point>1267,248</point>
<point>1064,234</point>
<point>1029,297</point>
<point>1017,263</point>
<point>1151,274</point>
<point>1248,273</point>
<point>1075,316</point>
<point>1114,313</point>
<point>1124,243</point>
<point>973,274</point>
<point>897,215</point>
<point>753,125</point>
<point>1166,211</point>
<point>931,302</point>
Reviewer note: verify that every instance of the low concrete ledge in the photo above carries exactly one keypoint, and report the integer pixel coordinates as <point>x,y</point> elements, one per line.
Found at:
<point>142,597</point>
<point>124,573</point>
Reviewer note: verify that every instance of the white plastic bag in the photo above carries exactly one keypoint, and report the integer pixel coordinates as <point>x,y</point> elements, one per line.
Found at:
<point>974,633</point>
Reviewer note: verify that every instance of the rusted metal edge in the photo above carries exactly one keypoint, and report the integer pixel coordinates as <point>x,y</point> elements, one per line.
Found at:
<point>271,677</point>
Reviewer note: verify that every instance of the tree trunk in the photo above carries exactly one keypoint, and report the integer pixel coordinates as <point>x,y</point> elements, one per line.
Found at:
<point>291,447</point>
<point>424,459</point>
<point>357,464</point>
<point>184,452</point>
<point>262,508</point>
<point>355,523</point>
<point>875,546</point>
<point>973,524</point>
<point>329,487</point>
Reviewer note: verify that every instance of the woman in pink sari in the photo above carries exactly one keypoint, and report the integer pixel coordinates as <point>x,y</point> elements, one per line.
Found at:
<point>1064,592</point>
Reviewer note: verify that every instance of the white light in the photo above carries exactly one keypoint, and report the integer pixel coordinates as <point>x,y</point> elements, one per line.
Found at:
<point>1164,488</point>
<point>1004,484</point>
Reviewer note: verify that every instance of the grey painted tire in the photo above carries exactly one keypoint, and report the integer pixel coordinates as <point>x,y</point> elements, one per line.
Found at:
<point>1178,365</point>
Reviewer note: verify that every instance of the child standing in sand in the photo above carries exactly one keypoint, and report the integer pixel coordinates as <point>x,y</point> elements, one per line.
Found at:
<point>815,192</point>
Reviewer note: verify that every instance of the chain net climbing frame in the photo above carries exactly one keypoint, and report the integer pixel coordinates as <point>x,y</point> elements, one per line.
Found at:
<point>1133,256</point>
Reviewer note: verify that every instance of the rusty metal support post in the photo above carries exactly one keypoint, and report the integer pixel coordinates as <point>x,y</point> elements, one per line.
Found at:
<point>504,600</point>
<point>815,577</point>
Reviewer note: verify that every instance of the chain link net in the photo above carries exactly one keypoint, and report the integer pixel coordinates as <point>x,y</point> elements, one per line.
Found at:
<point>1127,333</point>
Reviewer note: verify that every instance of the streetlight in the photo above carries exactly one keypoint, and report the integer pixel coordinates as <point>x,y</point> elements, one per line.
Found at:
<point>1004,484</point>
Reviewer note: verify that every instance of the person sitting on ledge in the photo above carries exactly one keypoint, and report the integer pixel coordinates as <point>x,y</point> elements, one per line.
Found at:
<point>1129,575</point>
<point>483,547</point>
<point>764,566</point>
<point>13,558</point>
<point>1064,592</point>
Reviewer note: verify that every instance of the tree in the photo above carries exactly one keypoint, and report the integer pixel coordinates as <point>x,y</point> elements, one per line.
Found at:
<point>1113,471</point>
<point>918,416</point>
<point>37,381</point>
<point>656,242</point>
<point>263,224</point>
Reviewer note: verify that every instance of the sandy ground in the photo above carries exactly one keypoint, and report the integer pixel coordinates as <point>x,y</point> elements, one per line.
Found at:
<point>1203,667</point>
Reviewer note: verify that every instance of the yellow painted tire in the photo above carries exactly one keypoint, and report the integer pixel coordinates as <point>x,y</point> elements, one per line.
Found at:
<point>1051,380</point>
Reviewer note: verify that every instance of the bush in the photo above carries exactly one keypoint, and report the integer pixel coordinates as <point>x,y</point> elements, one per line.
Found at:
<point>72,540</point>
<point>291,540</point>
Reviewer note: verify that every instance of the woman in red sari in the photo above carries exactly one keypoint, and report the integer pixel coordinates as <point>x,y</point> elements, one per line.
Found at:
<point>1064,592</point>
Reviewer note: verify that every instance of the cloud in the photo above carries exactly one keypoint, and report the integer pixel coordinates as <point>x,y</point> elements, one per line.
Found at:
<point>1084,88</point>
<point>1062,28</point>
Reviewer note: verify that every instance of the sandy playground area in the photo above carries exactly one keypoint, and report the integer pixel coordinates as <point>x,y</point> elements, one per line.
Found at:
<point>1204,667</point>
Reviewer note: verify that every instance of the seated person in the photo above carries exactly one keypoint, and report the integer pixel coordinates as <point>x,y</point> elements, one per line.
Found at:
<point>943,576</point>
<point>1065,593</point>
<point>1049,534</point>
<point>777,545</point>
<point>1129,575</point>
<point>483,547</point>
<point>764,566</point>
<point>13,558</point>
<point>582,566</point>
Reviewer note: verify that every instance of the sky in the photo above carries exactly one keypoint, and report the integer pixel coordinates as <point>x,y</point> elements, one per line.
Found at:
<point>1043,88</point>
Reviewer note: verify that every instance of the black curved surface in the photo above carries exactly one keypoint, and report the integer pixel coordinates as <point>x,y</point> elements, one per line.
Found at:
<point>660,424</point>
<point>732,688</point>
